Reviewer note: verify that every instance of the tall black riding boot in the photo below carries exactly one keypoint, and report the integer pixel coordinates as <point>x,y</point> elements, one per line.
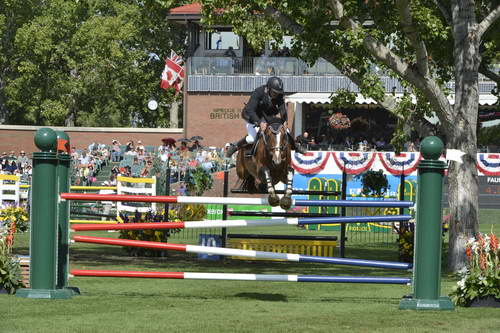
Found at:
<point>234,146</point>
<point>297,146</point>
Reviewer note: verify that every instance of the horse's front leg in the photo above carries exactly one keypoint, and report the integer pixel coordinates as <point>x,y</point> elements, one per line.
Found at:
<point>286,201</point>
<point>273,198</point>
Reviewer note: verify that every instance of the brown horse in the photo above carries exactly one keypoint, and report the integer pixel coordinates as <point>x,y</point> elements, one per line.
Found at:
<point>269,164</point>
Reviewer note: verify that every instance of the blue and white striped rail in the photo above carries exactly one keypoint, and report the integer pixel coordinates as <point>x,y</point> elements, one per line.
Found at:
<point>232,201</point>
<point>240,223</point>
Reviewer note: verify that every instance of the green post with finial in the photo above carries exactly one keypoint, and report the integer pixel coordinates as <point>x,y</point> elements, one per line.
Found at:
<point>43,231</point>
<point>427,260</point>
<point>63,186</point>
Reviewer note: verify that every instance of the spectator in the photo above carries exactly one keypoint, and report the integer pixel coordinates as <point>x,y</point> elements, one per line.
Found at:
<point>12,156</point>
<point>130,147</point>
<point>115,171</point>
<point>140,145</point>
<point>182,189</point>
<point>183,148</point>
<point>140,153</point>
<point>230,52</point>
<point>84,160</point>
<point>11,167</point>
<point>303,139</point>
<point>146,171</point>
<point>195,146</point>
<point>22,159</point>
<point>116,153</point>
<point>93,146</point>
<point>136,168</point>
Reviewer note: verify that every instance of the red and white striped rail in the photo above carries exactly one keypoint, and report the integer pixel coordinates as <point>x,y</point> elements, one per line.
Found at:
<point>164,199</point>
<point>241,253</point>
<point>185,225</point>
<point>240,277</point>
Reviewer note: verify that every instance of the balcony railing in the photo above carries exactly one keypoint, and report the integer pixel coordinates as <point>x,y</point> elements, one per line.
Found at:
<point>258,66</point>
<point>280,66</point>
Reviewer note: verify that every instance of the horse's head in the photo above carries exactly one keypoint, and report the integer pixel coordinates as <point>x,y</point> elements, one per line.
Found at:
<point>276,141</point>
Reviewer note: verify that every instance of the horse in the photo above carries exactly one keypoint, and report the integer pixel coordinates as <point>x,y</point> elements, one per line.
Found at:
<point>268,165</point>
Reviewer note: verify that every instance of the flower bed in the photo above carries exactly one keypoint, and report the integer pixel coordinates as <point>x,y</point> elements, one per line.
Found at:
<point>480,279</point>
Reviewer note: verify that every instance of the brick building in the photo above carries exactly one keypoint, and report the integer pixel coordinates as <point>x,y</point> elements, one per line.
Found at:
<point>222,70</point>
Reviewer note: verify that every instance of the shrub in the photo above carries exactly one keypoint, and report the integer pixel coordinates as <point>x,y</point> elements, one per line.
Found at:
<point>10,270</point>
<point>17,215</point>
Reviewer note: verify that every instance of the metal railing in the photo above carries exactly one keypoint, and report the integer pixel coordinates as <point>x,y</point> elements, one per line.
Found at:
<point>258,66</point>
<point>281,66</point>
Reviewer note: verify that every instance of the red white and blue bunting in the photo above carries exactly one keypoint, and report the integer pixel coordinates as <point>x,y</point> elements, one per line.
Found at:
<point>354,163</point>
<point>310,162</point>
<point>404,163</point>
<point>489,164</point>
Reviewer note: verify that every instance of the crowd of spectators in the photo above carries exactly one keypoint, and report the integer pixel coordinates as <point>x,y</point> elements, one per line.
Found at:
<point>88,162</point>
<point>19,165</point>
<point>350,143</point>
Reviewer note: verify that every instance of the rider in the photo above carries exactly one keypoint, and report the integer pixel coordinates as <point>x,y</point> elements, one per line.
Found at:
<point>265,102</point>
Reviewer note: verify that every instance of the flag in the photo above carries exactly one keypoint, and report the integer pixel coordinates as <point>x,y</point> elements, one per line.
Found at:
<point>173,74</point>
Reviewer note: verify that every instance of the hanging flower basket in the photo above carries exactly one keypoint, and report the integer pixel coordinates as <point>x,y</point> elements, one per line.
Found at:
<point>339,121</point>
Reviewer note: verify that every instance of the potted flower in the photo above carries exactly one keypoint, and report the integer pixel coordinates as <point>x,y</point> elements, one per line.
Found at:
<point>339,121</point>
<point>480,279</point>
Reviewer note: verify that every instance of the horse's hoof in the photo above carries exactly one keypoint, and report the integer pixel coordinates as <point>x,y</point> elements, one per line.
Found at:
<point>286,203</point>
<point>273,200</point>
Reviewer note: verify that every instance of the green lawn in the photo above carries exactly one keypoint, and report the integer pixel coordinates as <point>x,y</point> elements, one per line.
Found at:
<point>150,305</point>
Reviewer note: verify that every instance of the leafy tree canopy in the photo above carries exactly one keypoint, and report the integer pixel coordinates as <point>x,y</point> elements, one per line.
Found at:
<point>85,63</point>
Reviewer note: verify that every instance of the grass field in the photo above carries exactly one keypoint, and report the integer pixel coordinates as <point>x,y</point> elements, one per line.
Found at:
<point>150,305</point>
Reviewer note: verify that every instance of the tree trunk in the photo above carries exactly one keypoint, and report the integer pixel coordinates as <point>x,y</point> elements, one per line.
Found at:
<point>462,194</point>
<point>463,182</point>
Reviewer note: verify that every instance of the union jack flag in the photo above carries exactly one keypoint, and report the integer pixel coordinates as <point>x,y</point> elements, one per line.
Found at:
<point>173,74</point>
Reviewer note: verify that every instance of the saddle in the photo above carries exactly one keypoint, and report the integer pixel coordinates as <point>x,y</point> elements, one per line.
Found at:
<point>250,148</point>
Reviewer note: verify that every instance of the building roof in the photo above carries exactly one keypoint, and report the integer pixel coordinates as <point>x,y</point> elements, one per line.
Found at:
<point>191,9</point>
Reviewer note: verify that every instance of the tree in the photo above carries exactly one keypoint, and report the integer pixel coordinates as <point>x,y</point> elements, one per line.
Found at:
<point>85,63</point>
<point>424,43</point>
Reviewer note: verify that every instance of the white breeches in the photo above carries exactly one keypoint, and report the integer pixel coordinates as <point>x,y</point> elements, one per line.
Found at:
<point>252,132</point>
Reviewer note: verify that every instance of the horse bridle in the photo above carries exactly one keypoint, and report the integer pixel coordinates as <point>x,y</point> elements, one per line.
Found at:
<point>283,146</point>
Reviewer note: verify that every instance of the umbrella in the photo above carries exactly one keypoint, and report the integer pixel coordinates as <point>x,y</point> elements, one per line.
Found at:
<point>168,141</point>
<point>183,140</point>
<point>197,138</point>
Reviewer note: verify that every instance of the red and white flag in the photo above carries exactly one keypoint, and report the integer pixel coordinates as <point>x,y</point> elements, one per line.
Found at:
<point>173,74</point>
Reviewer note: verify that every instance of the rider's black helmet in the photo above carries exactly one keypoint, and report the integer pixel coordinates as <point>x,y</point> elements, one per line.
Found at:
<point>275,85</point>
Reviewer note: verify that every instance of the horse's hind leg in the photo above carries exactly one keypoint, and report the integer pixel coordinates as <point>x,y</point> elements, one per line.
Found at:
<point>286,201</point>
<point>273,198</point>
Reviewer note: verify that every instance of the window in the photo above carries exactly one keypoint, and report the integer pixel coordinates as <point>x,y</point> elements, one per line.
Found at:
<point>222,40</point>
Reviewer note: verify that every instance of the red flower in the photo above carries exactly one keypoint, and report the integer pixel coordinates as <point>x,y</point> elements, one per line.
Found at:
<point>468,252</point>
<point>493,242</point>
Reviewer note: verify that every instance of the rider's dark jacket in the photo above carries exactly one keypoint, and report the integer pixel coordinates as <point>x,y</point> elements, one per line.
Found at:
<point>261,107</point>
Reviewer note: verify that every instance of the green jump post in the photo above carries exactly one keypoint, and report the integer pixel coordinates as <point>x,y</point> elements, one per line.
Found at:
<point>43,231</point>
<point>427,261</point>
<point>63,186</point>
